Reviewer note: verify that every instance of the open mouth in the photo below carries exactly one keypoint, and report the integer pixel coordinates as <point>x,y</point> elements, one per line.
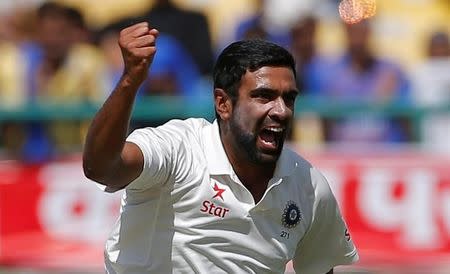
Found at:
<point>270,138</point>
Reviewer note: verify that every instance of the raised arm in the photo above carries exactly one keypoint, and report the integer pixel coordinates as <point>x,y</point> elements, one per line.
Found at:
<point>107,158</point>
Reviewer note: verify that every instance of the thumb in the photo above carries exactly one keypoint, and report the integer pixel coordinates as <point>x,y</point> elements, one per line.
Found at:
<point>154,32</point>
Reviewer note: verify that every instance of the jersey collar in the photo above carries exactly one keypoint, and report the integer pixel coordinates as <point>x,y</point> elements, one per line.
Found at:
<point>216,157</point>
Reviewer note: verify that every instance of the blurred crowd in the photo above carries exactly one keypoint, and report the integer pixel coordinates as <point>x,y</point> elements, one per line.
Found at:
<point>52,53</point>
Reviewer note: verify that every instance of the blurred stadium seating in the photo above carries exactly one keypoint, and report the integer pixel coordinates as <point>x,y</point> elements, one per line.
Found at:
<point>395,195</point>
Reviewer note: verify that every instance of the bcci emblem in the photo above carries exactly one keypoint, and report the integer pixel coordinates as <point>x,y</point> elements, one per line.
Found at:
<point>291,215</point>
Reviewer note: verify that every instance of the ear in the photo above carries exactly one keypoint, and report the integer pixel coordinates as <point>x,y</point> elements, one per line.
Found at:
<point>223,104</point>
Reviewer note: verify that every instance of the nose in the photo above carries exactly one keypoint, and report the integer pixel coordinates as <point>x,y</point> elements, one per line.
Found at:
<point>280,111</point>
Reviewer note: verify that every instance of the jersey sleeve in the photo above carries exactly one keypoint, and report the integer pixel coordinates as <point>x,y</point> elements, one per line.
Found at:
<point>327,242</point>
<point>160,147</point>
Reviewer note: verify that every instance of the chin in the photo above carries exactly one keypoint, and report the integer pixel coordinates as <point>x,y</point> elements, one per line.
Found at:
<point>267,158</point>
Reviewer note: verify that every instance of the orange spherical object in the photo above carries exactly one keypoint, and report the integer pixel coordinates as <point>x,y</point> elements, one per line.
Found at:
<point>351,11</point>
<point>370,7</point>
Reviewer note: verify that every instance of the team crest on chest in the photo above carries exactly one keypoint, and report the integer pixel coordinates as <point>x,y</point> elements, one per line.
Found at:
<point>291,215</point>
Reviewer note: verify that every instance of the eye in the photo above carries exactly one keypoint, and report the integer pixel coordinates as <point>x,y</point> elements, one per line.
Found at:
<point>264,96</point>
<point>289,99</point>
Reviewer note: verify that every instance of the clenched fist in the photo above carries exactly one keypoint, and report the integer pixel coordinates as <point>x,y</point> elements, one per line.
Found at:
<point>137,44</point>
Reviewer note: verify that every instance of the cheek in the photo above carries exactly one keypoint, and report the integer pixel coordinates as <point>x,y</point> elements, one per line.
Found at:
<point>242,117</point>
<point>253,115</point>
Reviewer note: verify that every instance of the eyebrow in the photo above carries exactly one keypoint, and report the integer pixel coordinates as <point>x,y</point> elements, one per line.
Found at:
<point>264,89</point>
<point>295,91</point>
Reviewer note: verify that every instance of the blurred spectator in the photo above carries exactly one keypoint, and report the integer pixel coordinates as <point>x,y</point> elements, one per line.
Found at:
<point>80,32</point>
<point>173,72</point>
<point>14,27</point>
<point>360,76</point>
<point>11,87</point>
<point>58,67</point>
<point>255,26</point>
<point>14,31</point>
<point>431,80</point>
<point>431,88</point>
<point>189,28</point>
<point>106,41</point>
<point>16,18</point>
<point>62,67</point>
<point>311,67</point>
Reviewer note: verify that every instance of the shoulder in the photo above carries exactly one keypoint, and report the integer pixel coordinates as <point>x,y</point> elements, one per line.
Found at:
<point>190,125</point>
<point>84,56</point>
<point>388,65</point>
<point>177,127</point>
<point>184,131</point>
<point>173,144</point>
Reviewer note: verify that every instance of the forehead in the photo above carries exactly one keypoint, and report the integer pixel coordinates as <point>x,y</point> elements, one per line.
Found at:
<point>277,78</point>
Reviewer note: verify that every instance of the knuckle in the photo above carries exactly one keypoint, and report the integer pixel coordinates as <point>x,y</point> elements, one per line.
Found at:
<point>123,40</point>
<point>144,24</point>
<point>146,53</point>
<point>129,45</point>
<point>123,32</point>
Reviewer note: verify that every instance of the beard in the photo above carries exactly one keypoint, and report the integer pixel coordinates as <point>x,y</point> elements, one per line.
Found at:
<point>246,141</point>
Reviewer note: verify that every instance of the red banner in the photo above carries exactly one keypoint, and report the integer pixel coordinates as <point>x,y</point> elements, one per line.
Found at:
<point>51,216</point>
<point>397,207</point>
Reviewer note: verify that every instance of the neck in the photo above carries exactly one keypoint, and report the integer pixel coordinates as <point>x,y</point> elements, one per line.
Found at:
<point>254,176</point>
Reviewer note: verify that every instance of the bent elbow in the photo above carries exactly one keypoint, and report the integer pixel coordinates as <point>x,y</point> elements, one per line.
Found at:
<point>92,173</point>
<point>97,175</point>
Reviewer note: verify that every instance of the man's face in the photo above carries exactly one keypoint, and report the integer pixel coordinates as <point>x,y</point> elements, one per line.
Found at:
<point>55,35</point>
<point>303,37</point>
<point>262,114</point>
<point>358,36</point>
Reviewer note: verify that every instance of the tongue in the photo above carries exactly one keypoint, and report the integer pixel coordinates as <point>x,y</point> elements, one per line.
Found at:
<point>267,136</point>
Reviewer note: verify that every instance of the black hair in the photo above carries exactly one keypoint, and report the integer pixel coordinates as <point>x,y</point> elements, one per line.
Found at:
<point>439,37</point>
<point>247,55</point>
<point>50,9</point>
<point>54,9</point>
<point>76,17</point>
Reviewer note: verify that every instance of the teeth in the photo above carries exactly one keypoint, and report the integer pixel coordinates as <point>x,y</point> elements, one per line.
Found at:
<point>275,129</point>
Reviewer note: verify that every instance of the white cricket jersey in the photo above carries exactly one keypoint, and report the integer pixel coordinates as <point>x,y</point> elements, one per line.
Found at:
<point>189,213</point>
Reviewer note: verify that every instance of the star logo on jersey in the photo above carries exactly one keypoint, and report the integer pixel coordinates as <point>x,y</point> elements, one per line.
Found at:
<point>291,215</point>
<point>218,191</point>
<point>215,209</point>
